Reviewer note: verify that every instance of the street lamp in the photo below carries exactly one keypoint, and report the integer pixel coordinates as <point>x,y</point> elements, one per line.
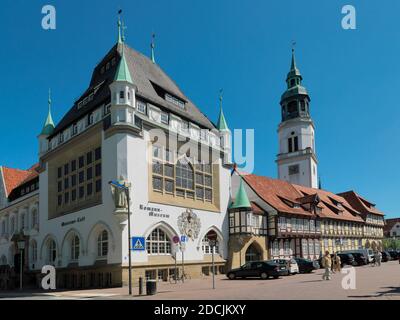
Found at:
<point>125,188</point>
<point>21,248</point>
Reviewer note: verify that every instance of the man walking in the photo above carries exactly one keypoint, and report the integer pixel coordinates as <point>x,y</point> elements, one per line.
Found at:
<point>327,264</point>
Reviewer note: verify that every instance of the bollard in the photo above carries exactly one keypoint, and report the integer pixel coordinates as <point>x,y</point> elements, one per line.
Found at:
<point>140,286</point>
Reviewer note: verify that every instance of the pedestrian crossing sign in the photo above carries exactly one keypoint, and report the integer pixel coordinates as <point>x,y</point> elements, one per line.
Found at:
<point>138,244</point>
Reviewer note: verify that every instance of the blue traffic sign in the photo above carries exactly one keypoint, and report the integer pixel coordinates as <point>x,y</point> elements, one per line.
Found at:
<point>138,244</point>
<point>183,239</point>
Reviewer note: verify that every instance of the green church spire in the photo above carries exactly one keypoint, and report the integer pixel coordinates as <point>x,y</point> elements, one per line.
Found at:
<point>122,73</point>
<point>48,126</point>
<point>241,199</point>
<point>221,125</point>
<point>294,77</point>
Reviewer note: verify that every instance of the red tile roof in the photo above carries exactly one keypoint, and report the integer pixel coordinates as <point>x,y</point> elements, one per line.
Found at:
<point>275,192</point>
<point>283,195</point>
<point>359,203</point>
<point>332,205</point>
<point>13,178</point>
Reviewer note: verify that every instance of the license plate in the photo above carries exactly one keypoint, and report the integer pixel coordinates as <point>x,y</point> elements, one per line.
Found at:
<point>283,268</point>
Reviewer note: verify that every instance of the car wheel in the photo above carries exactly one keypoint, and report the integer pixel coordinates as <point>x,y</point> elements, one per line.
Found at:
<point>264,275</point>
<point>231,276</point>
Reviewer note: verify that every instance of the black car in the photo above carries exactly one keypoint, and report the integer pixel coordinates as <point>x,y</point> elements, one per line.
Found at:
<point>395,255</point>
<point>346,259</point>
<point>306,265</point>
<point>258,269</point>
<point>386,256</point>
<point>359,259</point>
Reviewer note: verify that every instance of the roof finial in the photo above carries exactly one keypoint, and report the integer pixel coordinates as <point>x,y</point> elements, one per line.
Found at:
<point>319,183</point>
<point>119,26</point>
<point>123,28</point>
<point>293,66</point>
<point>49,100</point>
<point>153,57</point>
<point>221,97</point>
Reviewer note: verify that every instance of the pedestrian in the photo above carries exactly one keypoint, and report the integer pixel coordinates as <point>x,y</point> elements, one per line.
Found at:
<point>379,258</point>
<point>337,263</point>
<point>333,268</point>
<point>375,262</point>
<point>326,262</point>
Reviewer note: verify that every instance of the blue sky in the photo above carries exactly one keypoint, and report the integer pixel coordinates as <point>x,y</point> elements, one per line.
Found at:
<point>242,46</point>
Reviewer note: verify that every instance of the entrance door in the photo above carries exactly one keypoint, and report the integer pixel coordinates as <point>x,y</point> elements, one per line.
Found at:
<point>253,254</point>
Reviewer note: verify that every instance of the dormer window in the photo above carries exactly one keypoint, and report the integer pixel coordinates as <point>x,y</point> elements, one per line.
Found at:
<point>175,101</point>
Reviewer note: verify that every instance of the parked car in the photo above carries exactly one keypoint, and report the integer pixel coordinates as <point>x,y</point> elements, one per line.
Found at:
<point>395,255</point>
<point>258,269</point>
<point>306,265</point>
<point>291,265</point>
<point>346,259</point>
<point>386,256</point>
<point>368,253</point>
<point>360,259</point>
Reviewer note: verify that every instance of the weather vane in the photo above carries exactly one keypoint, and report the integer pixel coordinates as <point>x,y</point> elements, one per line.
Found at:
<point>293,45</point>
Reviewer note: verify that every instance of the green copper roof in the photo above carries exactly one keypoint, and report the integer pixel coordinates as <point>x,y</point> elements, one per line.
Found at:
<point>48,126</point>
<point>123,73</point>
<point>221,125</point>
<point>241,199</point>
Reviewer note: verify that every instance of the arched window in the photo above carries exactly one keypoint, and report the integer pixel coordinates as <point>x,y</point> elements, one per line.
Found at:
<point>184,175</point>
<point>51,251</point>
<point>207,248</point>
<point>158,243</point>
<point>33,250</point>
<point>75,245</point>
<point>102,244</point>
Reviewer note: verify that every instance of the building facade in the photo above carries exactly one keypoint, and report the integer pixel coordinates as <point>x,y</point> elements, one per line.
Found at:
<point>271,219</point>
<point>132,124</point>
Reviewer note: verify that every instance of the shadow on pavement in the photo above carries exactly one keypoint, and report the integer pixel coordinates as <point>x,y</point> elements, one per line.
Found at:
<point>391,291</point>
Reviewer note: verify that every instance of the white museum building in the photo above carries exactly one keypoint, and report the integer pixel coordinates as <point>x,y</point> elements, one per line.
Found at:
<point>134,124</point>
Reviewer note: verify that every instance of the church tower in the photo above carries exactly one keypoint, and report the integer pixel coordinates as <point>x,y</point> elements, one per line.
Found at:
<point>297,161</point>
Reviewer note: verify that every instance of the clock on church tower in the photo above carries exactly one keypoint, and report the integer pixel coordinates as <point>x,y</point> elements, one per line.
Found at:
<point>297,161</point>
